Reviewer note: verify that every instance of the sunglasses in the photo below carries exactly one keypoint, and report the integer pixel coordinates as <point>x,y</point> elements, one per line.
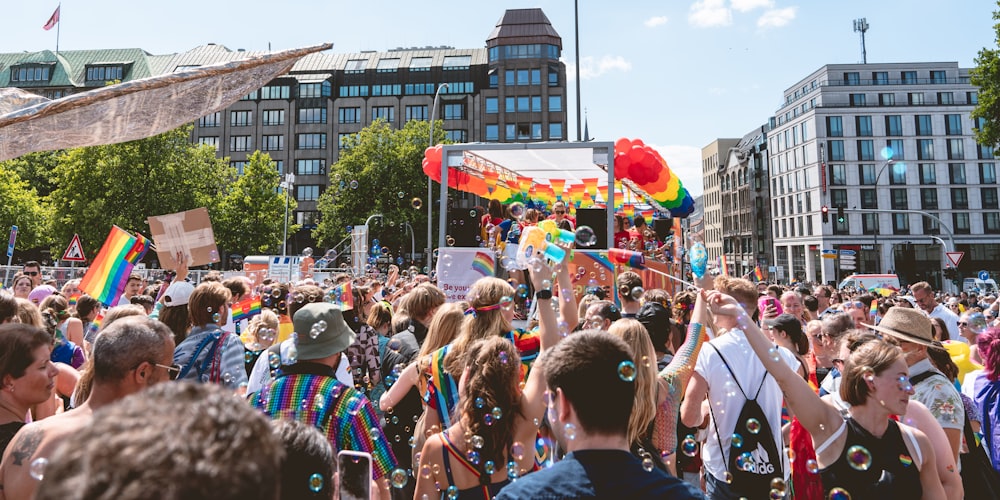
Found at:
<point>172,371</point>
<point>560,212</point>
<point>31,273</point>
<point>963,323</point>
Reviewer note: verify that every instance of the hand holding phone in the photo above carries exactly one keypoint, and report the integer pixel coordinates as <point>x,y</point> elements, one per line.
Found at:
<point>355,471</point>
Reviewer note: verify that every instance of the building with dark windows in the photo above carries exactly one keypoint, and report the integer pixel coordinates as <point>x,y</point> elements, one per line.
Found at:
<point>889,150</point>
<point>513,90</point>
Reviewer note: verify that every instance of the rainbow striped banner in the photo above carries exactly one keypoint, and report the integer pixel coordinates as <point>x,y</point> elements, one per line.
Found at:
<point>342,296</point>
<point>246,308</point>
<point>109,271</point>
<point>483,264</point>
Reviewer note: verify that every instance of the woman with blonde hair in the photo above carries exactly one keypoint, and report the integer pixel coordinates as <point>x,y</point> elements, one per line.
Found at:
<point>261,332</point>
<point>649,389</point>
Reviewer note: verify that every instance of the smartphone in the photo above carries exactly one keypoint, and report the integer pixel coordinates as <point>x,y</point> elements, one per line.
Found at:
<point>767,301</point>
<point>355,471</point>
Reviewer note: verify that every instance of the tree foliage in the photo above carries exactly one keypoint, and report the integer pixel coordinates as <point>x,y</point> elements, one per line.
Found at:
<point>21,206</point>
<point>123,184</point>
<point>250,214</point>
<point>37,169</point>
<point>986,76</point>
<point>385,166</point>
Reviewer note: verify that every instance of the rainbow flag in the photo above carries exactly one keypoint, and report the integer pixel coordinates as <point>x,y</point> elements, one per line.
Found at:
<point>138,249</point>
<point>95,325</point>
<point>757,273</point>
<point>873,311</point>
<point>73,299</point>
<point>723,265</point>
<point>246,308</point>
<point>109,271</point>
<point>483,264</point>
<point>341,296</point>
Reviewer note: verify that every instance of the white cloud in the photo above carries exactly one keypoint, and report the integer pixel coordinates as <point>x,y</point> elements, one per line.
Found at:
<point>655,21</point>
<point>748,5</point>
<point>593,68</point>
<point>685,163</point>
<point>776,18</point>
<point>709,13</point>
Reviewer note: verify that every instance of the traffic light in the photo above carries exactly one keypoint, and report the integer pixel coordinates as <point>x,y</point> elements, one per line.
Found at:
<point>826,214</point>
<point>840,215</point>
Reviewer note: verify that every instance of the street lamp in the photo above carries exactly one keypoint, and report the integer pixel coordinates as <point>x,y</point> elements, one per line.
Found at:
<point>287,186</point>
<point>430,205</point>
<point>413,241</point>
<point>878,226</point>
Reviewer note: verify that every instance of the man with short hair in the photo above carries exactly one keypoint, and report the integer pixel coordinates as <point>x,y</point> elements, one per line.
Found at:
<point>561,213</point>
<point>130,355</point>
<point>308,391</point>
<point>591,404</point>
<point>33,269</point>
<point>174,442</point>
<point>132,288</point>
<point>823,293</point>
<point>923,296</point>
<point>915,334</point>
<point>601,314</point>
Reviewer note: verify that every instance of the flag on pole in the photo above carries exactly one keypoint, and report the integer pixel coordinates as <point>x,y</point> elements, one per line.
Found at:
<point>53,20</point>
<point>758,273</point>
<point>109,271</point>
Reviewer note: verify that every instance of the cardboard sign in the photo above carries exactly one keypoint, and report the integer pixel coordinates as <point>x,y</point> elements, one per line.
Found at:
<point>189,233</point>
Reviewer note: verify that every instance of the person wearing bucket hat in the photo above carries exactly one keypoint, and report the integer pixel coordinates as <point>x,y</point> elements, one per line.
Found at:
<point>341,413</point>
<point>915,333</point>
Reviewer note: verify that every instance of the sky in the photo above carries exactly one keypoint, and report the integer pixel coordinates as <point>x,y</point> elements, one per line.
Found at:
<point>677,74</point>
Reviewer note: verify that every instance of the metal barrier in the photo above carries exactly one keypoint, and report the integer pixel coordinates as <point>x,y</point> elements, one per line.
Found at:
<point>63,274</point>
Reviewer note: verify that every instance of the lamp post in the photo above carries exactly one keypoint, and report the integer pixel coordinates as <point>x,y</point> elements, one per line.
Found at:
<point>287,185</point>
<point>878,226</point>
<point>430,194</point>
<point>413,241</point>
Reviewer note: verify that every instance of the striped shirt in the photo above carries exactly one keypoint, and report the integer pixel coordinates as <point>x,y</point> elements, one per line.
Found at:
<point>219,360</point>
<point>310,393</point>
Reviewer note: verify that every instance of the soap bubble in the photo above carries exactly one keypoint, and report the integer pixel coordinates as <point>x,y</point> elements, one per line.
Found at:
<point>354,184</point>
<point>812,466</point>
<point>316,483</point>
<point>401,195</point>
<point>585,236</point>
<point>839,494</point>
<point>859,458</point>
<point>569,431</point>
<point>626,371</point>
<point>637,293</point>
<point>399,478</point>
<point>416,203</point>
<point>37,468</point>
<point>737,441</point>
<point>689,446</point>
<point>753,425</point>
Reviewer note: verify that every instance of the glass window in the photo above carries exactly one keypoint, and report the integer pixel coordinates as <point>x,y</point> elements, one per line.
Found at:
<point>894,150</point>
<point>838,197</point>
<point>956,173</point>
<point>961,223</point>
<point>509,77</point>
<point>536,77</point>
<point>240,118</point>
<point>454,111</point>
<point>536,130</point>
<point>836,150</point>
<point>864,125</point>
<point>972,97</point>
<point>869,223</point>
<point>989,197</point>
<point>987,173</point>
<point>345,140</point>
<point>492,105</point>
<point>387,90</point>
<point>946,98</point>
<point>852,78</point>
<point>387,65</point>
<point>959,198</point>
<point>210,120</point>
<point>272,143</point>
<point>927,173</point>
<point>456,135</point>
<point>899,200</point>
<point>928,198</point>
<point>553,76</point>
<point>908,77</point>
<point>356,66</point>
<point>310,167</point>
<point>555,103</point>
<point>894,125</point>
<point>897,173</point>
<point>492,132</point>
<point>834,126</point>
<point>313,115</point>
<point>421,63</point>
<point>522,77</point>
<point>915,98</point>
<point>308,192</point>
<point>887,99</point>
<point>274,92</point>
<point>866,150</point>
<point>272,117</point>
<point>523,104</point>
<point>321,89</point>
<point>30,73</point>
<point>555,131</point>
<point>805,131</point>
<point>387,113</point>
<point>494,79</point>
<point>239,166</point>
<point>985,152</point>
<point>937,76</point>
<point>880,77</point>
<point>419,112</point>
<point>456,62</point>
<point>924,125</point>
<point>510,104</point>
<point>536,104</point>
<point>991,222</point>
<point>901,223</point>
<point>209,141</point>
<point>866,173</point>
<point>350,115</point>
<point>510,132</point>
<point>311,141</point>
<point>956,149</point>
<point>868,198</point>
<point>953,124</point>
<point>857,99</point>
<point>925,149</point>
<point>838,175</point>
<point>354,91</point>
<point>104,73</point>
<point>241,143</point>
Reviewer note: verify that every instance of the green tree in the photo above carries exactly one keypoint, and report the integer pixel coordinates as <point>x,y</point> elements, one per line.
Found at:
<point>22,207</point>
<point>379,172</point>
<point>251,214</point>
<point>123,184</point>
<point>37,169</point>
<point>986,76</point>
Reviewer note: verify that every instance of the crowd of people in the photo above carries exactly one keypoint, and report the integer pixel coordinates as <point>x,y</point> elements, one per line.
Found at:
<point>733,389</point>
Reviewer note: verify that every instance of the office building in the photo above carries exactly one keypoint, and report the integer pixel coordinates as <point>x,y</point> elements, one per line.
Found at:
<point>511,90</point>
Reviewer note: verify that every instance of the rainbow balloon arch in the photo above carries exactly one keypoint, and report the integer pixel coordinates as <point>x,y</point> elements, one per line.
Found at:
<point>644,183</point>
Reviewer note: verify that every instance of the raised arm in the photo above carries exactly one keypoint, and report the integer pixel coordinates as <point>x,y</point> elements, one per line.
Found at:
<point>568,310</point>
<point>407,380</point>
<point>679,371</point>
<point>818,417</point>
<point>532,401</point>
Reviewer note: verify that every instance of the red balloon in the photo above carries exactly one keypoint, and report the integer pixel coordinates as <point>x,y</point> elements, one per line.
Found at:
<point>622,166</point>
<point>622,145</point>
<point>636,154</point>
<point>637,142</point>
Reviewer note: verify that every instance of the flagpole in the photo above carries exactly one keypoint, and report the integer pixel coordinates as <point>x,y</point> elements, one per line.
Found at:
<point>58,26</point>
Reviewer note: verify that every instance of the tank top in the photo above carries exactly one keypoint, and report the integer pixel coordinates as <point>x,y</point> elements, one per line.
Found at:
<point>483,491</point>
<point>891,472</point>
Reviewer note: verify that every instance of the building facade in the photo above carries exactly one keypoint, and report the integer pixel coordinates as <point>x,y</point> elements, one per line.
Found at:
<point>713,161</point>
<point>889,150</point>
<point>513,90</point>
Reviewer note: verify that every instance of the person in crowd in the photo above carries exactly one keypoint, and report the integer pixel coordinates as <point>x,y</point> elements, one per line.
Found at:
<point>823,294</point>
<point>786,331</point>
<point>655,318</point>
<point>791,303</point>
<point>912,329</point>
<point>363,354</point>
<point>835,326</point>
<point>986,386</point>
<point>561,213</point>
<point>9,308</point>
<point>601,315</point>
<point>129,355</point>
<point>724,362</point>
<point>29,314</point>
<point>175,312</point>
<point>968,334</point>
<point>380,320</point>
<point>259,335</point>
<point>343,414</point>
<point>132,288</point>
<point>940,329</point>
<point>489,225</point>
<point>210,354</point>
<point>173,441</point>
<point>22,286</point>
<point>71,288</point>
<point>84,383</point>
<point>70,327</point>
<point>308,469</point>
<point>683,305</point>
<point>883,458</point>
<point>87,310</point>
<point>40,293</point>
<point>590,405</point>
<point>630,292</point>
<point>27,374</point>
<point>146,301</point>
<point>923,296</point>
<point>33,270</point>
<point>650,390</point>
<point>621,234</point>
<point>63,350</point>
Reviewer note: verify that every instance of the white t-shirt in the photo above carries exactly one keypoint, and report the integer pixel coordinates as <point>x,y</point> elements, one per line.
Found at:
<point>950,320</point>
<point>726,408</point>
<point>261,373</point>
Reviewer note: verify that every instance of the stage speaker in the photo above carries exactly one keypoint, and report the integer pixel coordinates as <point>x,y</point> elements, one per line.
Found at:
<point>597,219</point>
<point>463,226</point>
<point>663,228</point>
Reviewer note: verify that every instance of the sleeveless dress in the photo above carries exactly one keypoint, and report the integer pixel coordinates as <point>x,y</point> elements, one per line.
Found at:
<point>871,467</point>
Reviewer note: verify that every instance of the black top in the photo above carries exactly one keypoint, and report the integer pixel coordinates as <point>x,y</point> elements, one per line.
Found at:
<point>891,472</point>
<point>611,474</point>
<point>7,432</point>
<point>402,349</point>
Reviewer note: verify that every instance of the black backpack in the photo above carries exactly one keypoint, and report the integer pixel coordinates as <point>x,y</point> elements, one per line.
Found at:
<point>753,460</point>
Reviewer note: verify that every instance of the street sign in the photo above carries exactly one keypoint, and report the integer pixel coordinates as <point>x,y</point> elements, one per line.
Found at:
<point>829,254</point>
<point>954,257</point>
<point>847,267</point>
<point>847,259</point>
<point>847,252</point>
<point>10,244</point>
<point>984,275</point>
<point>74,252</point>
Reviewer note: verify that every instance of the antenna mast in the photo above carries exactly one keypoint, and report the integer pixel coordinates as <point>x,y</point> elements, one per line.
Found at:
<point>861,26</point>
